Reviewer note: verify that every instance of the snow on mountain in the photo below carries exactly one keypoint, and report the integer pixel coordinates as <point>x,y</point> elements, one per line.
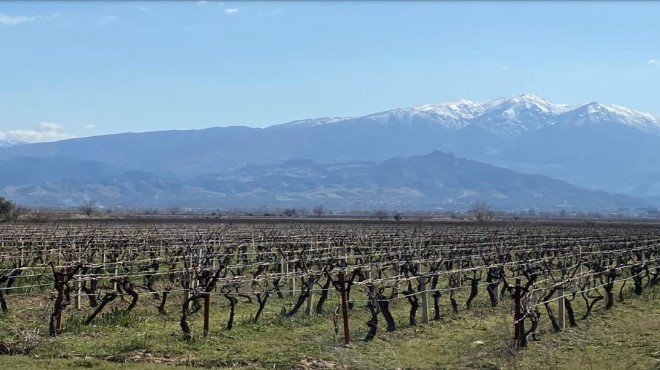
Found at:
<point>311,122</point>
<point>594,113</point>
<point>512,117</point>
<point>6,143</point>
<point>452,115</point>
<point>504,116</point>
<point>524,102</point>
<point>508,117</point>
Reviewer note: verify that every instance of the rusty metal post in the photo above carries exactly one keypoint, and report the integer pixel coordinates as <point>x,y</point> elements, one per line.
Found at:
<point>207,299</point>
<point>344,305</point>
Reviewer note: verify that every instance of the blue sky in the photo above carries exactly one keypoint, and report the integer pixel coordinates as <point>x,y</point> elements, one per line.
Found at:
<point>87,68</point>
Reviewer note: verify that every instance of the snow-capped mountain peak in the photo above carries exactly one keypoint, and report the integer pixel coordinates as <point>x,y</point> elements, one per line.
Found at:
<point>508,117</point>
<point>459,109</point>
<point>513,116</point>
<point>594,113</point>
<point>596,109</point>
<point>452,115</point>
<point>525,102</point>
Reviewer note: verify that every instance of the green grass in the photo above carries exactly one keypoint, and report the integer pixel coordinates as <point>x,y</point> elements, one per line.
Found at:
<point>625,337</point>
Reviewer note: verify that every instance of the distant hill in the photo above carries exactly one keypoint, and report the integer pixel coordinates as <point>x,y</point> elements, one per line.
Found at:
<point>432,181</point>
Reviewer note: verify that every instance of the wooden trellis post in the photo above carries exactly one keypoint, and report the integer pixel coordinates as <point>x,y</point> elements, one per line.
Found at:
<point>116,273</point>
<point>562,308</point>
<point>517,317</point>
<point>344,305</point>
<point>293,280</point>
<point>60,300</point>
<point>78,281</point>
<point>422,286</point>
<point>369,272</point>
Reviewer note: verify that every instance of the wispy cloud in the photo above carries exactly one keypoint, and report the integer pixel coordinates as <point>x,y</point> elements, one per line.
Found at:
<point>231,10</point>
<point>654,61</point>
<point>90,126</point>
<point>12,20</point>
<point>106,20</point>
<point>204,2</point>
<point>46,131</point>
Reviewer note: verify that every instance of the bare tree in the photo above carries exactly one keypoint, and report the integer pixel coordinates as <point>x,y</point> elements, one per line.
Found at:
<point>87,208</point>
<point>380,214</point>
<point>16,212</point>
<point>7,207</point>
<point>290,212</point>
<point>319,210</point>
<point>174,210</point>
<point>482,212</point>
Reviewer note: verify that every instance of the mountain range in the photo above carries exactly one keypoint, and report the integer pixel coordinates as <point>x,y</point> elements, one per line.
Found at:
<point>604,156</point>
<point>433,181</point>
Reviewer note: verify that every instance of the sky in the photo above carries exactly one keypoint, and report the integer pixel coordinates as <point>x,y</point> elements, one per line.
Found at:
<point>82,68</point>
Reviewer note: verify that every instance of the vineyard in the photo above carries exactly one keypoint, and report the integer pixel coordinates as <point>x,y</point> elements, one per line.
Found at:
<point>356,281</point>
